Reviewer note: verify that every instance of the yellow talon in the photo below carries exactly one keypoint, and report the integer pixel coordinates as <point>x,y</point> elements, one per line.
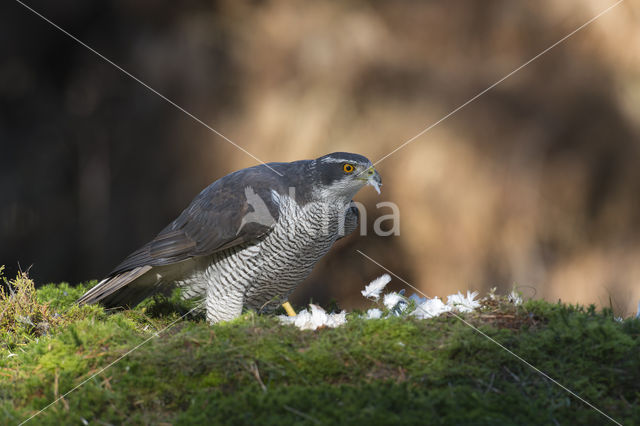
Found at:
<point>289,309</point>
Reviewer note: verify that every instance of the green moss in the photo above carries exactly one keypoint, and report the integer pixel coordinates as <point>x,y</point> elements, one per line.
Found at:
<point>254,370</point>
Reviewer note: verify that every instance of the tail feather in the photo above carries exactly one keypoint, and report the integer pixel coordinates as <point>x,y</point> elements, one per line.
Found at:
<point>110,285</point>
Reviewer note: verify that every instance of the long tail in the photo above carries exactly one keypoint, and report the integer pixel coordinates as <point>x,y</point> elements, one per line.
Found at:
<point>105,290</point>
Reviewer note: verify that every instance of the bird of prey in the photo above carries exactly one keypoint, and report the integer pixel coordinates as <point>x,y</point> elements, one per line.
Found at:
<point>248,239</point>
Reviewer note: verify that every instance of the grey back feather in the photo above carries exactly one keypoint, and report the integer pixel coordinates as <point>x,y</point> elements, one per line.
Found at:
<point>212,222</point>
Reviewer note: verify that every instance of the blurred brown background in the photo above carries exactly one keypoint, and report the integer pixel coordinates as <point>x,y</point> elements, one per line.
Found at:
<point>536,184</point>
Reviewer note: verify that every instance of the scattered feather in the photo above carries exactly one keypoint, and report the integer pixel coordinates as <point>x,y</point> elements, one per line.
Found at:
<point>492,293</point>
<point>431,308</point>
<point>417,299</point>
<point>514,297</point>
<point>314,319</point>
<point>462,303</point>
<point>390,300</point>
<point>373,289</point>
<point>336,320</point>
<point>374,313</point>
<point>395,302</point>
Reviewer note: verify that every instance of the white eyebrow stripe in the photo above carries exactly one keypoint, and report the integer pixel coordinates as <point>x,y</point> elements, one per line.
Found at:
<point>337,160</point>
<point>332,160</point>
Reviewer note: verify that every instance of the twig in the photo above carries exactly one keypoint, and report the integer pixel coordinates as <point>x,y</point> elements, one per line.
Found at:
<point>253,367</point>
<point>301,414</point>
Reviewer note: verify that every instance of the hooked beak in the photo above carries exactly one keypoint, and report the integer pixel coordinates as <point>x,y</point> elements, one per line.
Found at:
<point>372,177</point>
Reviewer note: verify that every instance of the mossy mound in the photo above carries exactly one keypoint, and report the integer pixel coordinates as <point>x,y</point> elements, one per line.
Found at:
<point>256,371</point>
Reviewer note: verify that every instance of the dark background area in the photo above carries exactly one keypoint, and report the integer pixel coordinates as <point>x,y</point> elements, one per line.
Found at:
<point>536,184</point>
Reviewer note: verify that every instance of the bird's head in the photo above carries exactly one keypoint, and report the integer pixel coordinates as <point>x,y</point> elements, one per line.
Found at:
<point>342,174</point>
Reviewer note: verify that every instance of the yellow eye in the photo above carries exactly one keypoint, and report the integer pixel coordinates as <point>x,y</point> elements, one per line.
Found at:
<point>348,168</point>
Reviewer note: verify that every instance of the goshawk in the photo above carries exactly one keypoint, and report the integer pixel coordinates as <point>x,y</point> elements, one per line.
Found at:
<point>248,239</point>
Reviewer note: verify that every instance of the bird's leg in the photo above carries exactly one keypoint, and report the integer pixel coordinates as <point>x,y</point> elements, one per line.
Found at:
<point>289,309</point>
<point>223,306</point>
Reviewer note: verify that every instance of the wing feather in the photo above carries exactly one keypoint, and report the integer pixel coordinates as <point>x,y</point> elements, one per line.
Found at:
<point>112,284</point>
<point>212,222</point>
